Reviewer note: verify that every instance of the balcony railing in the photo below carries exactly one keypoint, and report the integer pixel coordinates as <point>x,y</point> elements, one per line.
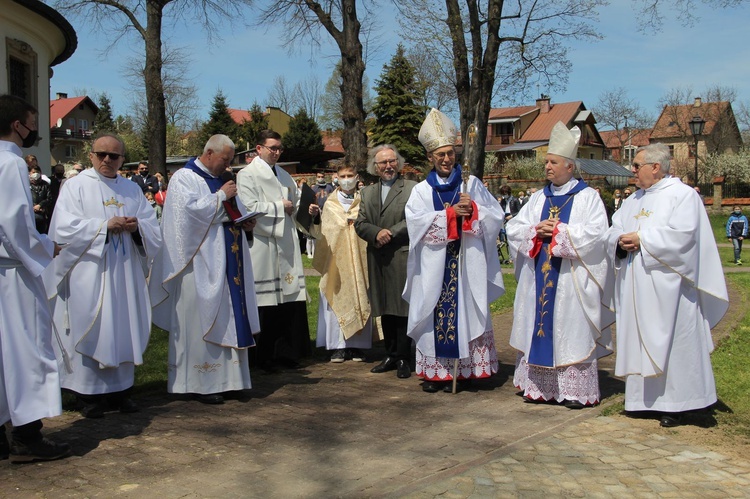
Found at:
<point>502,139</point>
<point>64,133</point>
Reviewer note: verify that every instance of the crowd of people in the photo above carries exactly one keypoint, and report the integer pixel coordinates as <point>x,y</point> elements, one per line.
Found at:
<point>219,268</point>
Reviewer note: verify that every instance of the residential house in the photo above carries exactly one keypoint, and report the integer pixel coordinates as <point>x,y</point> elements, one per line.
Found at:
<point>34,37</point>
<point>278,121</point>
<point>71,120</point>
<point>622,144</point>
<point>525,130</point>
<point>721,134</point>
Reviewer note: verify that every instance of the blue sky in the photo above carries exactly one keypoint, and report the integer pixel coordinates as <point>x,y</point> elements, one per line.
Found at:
<point>247,59</point>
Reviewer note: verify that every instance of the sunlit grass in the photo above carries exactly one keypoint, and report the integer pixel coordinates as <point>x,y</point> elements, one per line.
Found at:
<point>731,361</point>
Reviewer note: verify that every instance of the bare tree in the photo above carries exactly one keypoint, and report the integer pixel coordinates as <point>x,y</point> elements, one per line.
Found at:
<point>282,95</point>
<point>653,12</point>
<point>530,47</point>
<point>309,94</point>
<point>303,20</point>
<point>435,81</point>
<point>616,110</point>
<point>146,17</point>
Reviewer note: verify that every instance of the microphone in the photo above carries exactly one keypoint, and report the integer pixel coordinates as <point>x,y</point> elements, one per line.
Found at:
<point>230,205</point>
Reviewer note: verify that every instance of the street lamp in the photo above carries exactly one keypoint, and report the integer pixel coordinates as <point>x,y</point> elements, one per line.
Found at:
<point>627,149</point>
<point>696,127</point>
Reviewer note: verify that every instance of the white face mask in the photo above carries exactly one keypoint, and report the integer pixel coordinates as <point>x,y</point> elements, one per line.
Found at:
<point>347,184</point>
<point>35,177</point>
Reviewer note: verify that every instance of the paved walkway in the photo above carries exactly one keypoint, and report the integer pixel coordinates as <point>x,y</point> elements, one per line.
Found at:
<point>336,430</point>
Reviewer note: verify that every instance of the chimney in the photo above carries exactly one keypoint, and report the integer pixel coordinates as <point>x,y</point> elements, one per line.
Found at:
<point>61,95</point>
<point>543,103</point>
<point>697,102</point>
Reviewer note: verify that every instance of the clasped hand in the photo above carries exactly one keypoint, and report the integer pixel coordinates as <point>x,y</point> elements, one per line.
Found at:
<point>630,241</point>
<point>117,225</point>
<point>545,228</point>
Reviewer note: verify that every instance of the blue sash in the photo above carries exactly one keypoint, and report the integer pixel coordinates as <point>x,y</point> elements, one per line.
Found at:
<point>547,269</point>
<point>233,239</point>
<point>446,311</point>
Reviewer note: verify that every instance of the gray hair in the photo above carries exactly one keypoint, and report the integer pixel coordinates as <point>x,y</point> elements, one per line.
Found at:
<point>656,153</point>
<point>372,169</point>
<point>218,143</point>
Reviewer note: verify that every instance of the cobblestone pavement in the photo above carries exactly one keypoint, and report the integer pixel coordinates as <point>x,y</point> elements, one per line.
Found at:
<point>336,430</point>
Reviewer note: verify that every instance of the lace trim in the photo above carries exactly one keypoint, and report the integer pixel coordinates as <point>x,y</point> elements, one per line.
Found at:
<point>437,233</point>
<point>576,382</point>
<point>563,247</point>
<point>528,242</point>
<point>481,363</point>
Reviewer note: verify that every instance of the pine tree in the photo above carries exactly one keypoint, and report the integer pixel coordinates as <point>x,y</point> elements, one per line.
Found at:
<point>103,122</point>
<point>303,133</point>
<point>398,116</point>
<point>249,130</point>
<point>219,121</point>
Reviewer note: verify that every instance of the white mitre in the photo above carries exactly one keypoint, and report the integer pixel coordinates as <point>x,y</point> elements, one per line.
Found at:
<point>564,142</point>
<point>437,131</point>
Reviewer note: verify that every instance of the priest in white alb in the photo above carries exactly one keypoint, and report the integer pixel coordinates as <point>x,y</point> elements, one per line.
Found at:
<point>97,284</point>
<point>669,292</point>
<point>560,326</point>
<point>453,273</point>
<point>202,282</point>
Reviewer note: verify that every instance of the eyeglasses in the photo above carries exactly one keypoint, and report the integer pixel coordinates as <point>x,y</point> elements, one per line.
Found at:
<point>387,162</point>
<point>275,150</point>
<point>102,155</point>
<point>638,166</point>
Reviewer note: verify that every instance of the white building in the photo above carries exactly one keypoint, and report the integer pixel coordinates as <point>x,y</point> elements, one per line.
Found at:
<point>34,37</point>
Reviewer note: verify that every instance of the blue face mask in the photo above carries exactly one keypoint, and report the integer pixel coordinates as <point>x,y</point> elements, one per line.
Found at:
<point>736,213</point>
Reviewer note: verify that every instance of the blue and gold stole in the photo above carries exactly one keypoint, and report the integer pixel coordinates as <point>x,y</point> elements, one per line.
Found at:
<point>547,273</point>
<point>446,310</point>
<point>233,240</point>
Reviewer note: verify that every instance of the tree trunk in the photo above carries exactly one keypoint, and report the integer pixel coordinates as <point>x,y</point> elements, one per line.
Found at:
<point>474,88</point>
<point>157,119</point>
<point>354,138</point>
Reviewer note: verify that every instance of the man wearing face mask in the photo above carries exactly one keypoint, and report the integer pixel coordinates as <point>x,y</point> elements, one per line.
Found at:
<point>344,323</point>
<point>146,181</point>
<point>40,196</point>
<point>29,381</point>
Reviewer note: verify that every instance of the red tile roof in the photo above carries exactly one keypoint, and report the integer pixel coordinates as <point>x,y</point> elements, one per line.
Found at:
<point>674,120</point>
<point>332,142</point>
<point>60,108</point>
<point>240,115</point>
<point>510,112</point>
<point>616,139</point>
<point>541,127</point>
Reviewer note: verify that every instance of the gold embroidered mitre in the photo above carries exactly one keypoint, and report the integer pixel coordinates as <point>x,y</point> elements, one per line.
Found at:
<point>437,131</point>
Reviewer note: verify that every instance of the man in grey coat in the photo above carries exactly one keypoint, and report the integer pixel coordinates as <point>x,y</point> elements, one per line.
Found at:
<point>382,223</point>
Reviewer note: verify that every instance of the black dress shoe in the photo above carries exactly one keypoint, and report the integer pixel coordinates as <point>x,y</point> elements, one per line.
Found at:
<point>127,406</point>
<point>432,386</point>
<point>670,420</point>
<point>39,450</point>
<point>211,398</point>
<point>573,404</point>
<point>461,385</point>
<point>93,411</point>
<point>387,364</point>
<point>403,370</point>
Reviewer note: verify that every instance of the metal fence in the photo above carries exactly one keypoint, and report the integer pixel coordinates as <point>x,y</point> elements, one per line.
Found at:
<point>735,189</point>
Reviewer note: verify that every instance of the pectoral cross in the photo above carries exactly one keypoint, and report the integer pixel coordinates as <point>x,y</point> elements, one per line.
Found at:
<point>554,212</point>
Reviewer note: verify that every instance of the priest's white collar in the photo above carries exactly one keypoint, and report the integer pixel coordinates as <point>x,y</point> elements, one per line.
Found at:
<point>559,190</point>
<point>203,167</point>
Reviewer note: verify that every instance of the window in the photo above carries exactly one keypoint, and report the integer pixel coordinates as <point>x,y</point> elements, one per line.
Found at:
<point>629,154</point>
<point>70,151</point>
<point>504,131</point>
<point>83,124</point>
<point>671,152</point>
<point>22,74</point>
<point>591,156</point>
